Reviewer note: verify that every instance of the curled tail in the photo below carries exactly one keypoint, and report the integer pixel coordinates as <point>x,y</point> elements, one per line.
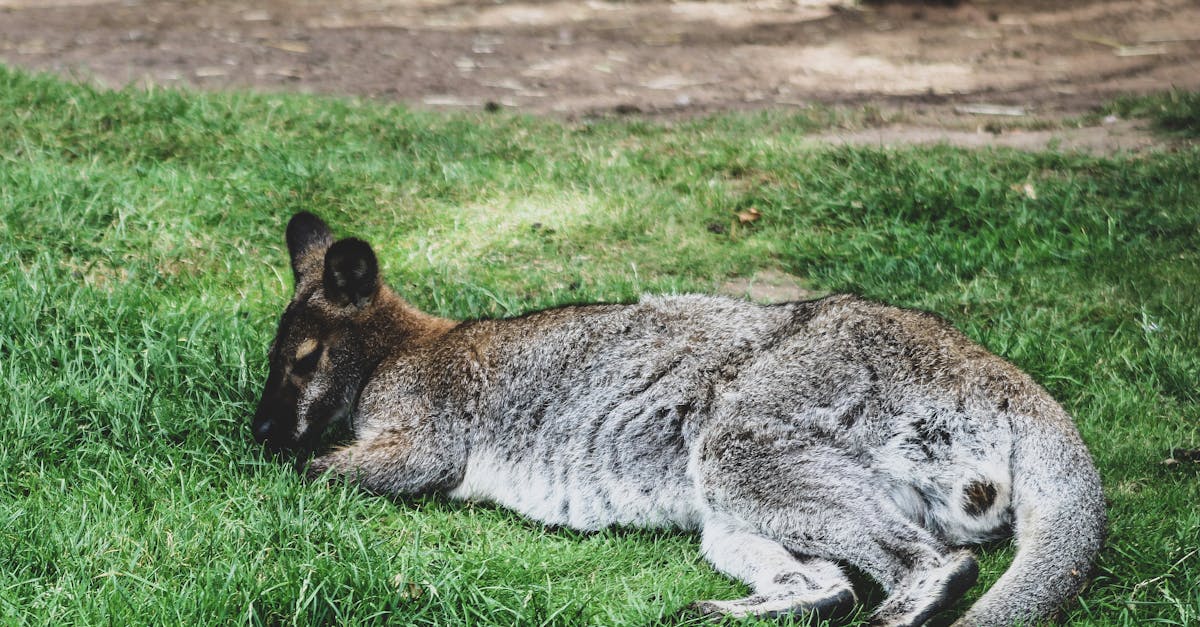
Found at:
<point>1059,524</point>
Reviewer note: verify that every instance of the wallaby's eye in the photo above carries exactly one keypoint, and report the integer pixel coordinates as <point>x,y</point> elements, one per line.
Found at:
<point>307,358</point>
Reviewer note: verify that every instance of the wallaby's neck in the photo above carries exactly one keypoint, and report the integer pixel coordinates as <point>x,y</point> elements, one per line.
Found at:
<point>408,324</point>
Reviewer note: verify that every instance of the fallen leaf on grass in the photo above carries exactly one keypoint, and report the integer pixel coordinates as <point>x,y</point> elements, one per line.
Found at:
<point>408,590</point>
<point>749,215</point>
<point>1027,189</point>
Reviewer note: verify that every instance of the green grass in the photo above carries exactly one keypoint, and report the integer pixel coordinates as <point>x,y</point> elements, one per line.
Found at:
<point>1175,112</point>
<point>142,267</point>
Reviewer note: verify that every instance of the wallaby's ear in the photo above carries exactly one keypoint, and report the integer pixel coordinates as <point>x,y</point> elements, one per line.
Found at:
<point>306,234</point>
<point>351,273</point>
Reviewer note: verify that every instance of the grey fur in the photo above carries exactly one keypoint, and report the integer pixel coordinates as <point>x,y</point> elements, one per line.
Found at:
<point>793,436</point>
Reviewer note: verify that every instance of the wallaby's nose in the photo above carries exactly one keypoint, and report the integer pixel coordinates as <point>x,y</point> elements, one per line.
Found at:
<point>262,429</point>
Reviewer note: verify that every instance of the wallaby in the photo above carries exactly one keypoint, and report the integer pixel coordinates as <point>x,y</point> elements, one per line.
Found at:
<point>794,437</point>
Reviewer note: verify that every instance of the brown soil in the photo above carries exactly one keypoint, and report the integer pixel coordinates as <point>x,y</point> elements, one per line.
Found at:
<point>921,67</point>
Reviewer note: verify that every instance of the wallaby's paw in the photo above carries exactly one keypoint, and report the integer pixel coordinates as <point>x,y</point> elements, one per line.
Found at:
<point>926,593</point>
<point>822,606</point>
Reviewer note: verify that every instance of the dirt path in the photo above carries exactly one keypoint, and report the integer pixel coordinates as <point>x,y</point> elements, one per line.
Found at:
<point>925,69</point>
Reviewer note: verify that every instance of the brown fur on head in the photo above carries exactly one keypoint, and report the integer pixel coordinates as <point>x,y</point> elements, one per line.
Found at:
<point>340,324</point>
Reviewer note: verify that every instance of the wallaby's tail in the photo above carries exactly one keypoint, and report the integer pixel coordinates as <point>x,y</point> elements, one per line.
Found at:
<point>1059,523</point>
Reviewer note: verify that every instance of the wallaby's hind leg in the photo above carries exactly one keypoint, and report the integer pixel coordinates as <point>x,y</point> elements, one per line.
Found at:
<point>782,583</point>
<point>816,500</point>
<point>927,592</point>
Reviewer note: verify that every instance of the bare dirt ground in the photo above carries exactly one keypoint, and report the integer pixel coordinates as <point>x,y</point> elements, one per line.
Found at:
<point>977,73</point>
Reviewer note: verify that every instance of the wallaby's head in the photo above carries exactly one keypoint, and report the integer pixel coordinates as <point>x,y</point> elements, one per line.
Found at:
<point>332,335</point>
